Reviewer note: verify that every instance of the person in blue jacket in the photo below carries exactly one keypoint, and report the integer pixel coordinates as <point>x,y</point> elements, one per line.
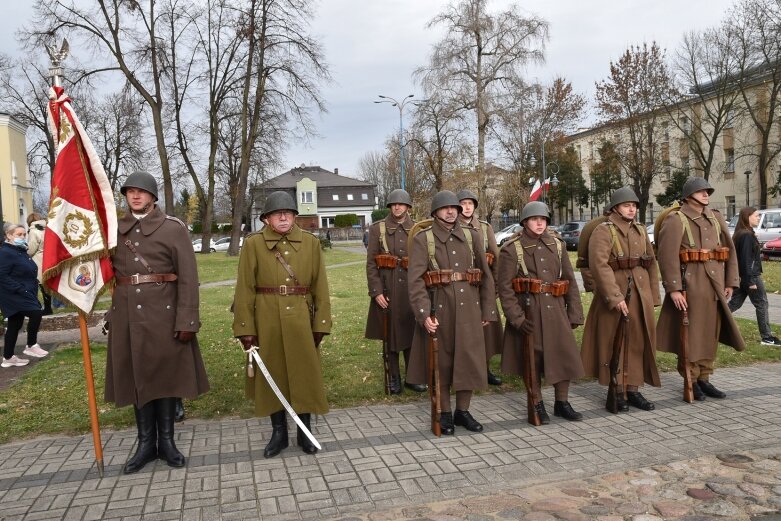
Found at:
<point>19,296</point>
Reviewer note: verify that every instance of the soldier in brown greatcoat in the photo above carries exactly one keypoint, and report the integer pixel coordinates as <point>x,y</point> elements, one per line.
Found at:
<point>696,239</point>
<point>619,249</point>
<point>493,331</point>
<point>544,264</point>
<point>387,246</point>
<point>463,304</point>
<point>282,305</point>
<point>153,354</point>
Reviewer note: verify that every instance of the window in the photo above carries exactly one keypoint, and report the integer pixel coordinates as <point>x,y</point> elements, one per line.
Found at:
<point>349,197</point>
<point>335,197</point>
<point>729,117</point>
<point>729,160</point>
<point>685,124</point>
<point>730,200</point>
<point>307,197</point>
<point>364,197</point>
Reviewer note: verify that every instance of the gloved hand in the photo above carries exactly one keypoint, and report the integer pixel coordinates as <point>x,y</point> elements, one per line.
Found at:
<point>184,336</point>
<point>527,327</point>
<point>318,337</point>
<point>247,341</point>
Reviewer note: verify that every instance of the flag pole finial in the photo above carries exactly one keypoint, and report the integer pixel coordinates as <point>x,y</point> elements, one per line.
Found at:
<point>57,57</point>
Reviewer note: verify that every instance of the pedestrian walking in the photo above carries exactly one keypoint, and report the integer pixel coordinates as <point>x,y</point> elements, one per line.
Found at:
<point>390,316</point>
<point>19,296</point>
<point>282,306</point>
<point>494,336</point>
<point>626,290</point>
<point>453,296</point>
<point>699,271</point>
<point>153,354</point>
<point>750,268</point>
<point>535,265</point>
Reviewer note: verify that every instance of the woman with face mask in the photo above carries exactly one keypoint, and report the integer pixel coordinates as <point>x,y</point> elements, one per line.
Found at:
<point>19,295</point>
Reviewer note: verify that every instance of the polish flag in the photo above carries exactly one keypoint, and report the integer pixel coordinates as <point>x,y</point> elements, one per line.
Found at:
<point>82,223</point>
<point>537,189</point>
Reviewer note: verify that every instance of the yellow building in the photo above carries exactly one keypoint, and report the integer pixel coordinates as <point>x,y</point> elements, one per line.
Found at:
<point>16,193</point>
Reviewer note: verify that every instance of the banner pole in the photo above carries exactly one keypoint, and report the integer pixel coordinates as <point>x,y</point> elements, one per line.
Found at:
<point>90,381</point>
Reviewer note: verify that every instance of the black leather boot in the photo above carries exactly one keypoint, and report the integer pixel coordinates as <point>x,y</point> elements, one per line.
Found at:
<point>542,413</point>
<point>303,441</point>
<point>636,399</point>
<point>418,388</point>
<point>165,409</point>
<point>179,415</point>
<point>395,384</point>
<point>464,419</point>
<point>446,423</point>
<point>278,439</point>
<point>710,390</point>
<point>565,410</point>
<point>146,450</point>
<point>493,379</point>
<point>697,392</point>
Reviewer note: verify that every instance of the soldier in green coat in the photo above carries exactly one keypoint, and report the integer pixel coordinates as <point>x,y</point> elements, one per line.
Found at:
<point>282,305</point>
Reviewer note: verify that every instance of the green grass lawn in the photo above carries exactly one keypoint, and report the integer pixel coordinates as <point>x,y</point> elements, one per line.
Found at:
<point>50,398</point>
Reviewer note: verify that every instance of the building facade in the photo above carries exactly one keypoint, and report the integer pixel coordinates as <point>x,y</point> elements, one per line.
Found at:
<point>16,192</point>
<point>320,194</point>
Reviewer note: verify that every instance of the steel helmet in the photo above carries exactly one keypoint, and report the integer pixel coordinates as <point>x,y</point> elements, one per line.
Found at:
<point>695,184</point>
<point>143,180</point>
<point>279,201</point>
<point>625,194</point>
<point>535,209</point>
<point>443,199</point>
<point>399,196</point>
<point>467,194</point>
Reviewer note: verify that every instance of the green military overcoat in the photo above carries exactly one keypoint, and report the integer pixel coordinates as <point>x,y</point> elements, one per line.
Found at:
<point>284,324</point>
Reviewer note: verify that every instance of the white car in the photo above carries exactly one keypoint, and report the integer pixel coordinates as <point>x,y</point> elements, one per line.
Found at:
<point>197,246</point>
<point>224,243</point>
<point>506,233</point>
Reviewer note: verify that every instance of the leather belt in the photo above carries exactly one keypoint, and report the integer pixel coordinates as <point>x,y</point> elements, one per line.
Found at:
<point>282,290</point>
<point>149,278</point>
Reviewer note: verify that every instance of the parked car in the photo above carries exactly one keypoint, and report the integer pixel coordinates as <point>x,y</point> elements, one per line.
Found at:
<point>197,246</point>
<point>769,227</point>
<point>650,230</point>
<point>570,232</point>
<point>771,250</point>
<point>224,243</point>
<point>506,233</point>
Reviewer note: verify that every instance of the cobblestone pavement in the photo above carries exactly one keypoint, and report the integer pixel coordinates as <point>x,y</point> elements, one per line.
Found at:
<point>381,462</point>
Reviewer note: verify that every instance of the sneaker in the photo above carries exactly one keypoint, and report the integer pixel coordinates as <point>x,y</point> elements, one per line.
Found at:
<point>36,351</point>
<point>772,341</point>
<point>14,361</point>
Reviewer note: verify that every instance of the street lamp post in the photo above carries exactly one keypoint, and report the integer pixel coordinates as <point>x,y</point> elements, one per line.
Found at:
<point>400,106</point>
<point>748,173</point>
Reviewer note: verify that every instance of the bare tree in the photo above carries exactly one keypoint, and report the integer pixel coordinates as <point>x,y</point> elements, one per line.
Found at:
<point>283,70</point>
<point>756,26</point>
<point>705,66</point>
<point>638,85</point>
<point>479,56</point>
<point>373,168</point>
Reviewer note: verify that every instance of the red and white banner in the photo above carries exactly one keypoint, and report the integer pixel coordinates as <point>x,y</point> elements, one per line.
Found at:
<point>538,188</point>
<point>82,222</point>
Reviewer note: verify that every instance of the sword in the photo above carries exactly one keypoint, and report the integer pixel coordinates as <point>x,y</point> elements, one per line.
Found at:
<point>253,351</point>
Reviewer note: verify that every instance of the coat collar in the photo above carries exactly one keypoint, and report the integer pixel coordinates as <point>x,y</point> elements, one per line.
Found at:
<point>546,239</point>
<point>443,234</point>
<point>295,236</point>
<point>391,225</point>
<point>620,223</point>
<point>148,224</point>
<point>690,211</point>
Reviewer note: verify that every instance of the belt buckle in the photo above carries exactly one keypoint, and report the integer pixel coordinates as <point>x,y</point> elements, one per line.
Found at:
<point>283,290</point>
<point>135,279</point>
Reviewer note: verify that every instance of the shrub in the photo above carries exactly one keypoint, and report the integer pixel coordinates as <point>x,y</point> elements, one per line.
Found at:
<point>346,220</point>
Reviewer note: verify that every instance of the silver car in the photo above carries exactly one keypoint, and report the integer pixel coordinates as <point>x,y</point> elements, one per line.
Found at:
<point>769,227</point>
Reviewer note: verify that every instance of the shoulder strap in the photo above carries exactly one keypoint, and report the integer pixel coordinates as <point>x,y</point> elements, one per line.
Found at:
<point>521,261</point>
<point>484,227</point>
<point>558,250</point>
<point>431,249</point>
<point>614,242</point>
<point>383,241</point>
<point>468,237</point>
<point>287,267</point>
<point>141,259</point>
<point>687,229</point>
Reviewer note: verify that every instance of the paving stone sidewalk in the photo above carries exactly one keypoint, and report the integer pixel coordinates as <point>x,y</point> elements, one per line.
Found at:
<point>380,458</point>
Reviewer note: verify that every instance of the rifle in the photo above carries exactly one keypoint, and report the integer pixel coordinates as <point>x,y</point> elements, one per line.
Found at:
<point>620,342</point>
<point>433,364</point>
<point>385,342</point>
<point>683,357</point>
<point>530,369</point>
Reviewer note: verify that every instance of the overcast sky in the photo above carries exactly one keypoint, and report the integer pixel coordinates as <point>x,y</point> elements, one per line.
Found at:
<point>372,47</point>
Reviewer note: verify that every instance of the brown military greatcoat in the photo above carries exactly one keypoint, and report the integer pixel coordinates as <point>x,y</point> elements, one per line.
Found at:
<point>552,316</point>
<point>492,332</point>
<point>710,320</point>
<point>145,362</point>
<point>604,318</point>
<point>284,323</point>
<point>401,324</point>
<point>460,309</point>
